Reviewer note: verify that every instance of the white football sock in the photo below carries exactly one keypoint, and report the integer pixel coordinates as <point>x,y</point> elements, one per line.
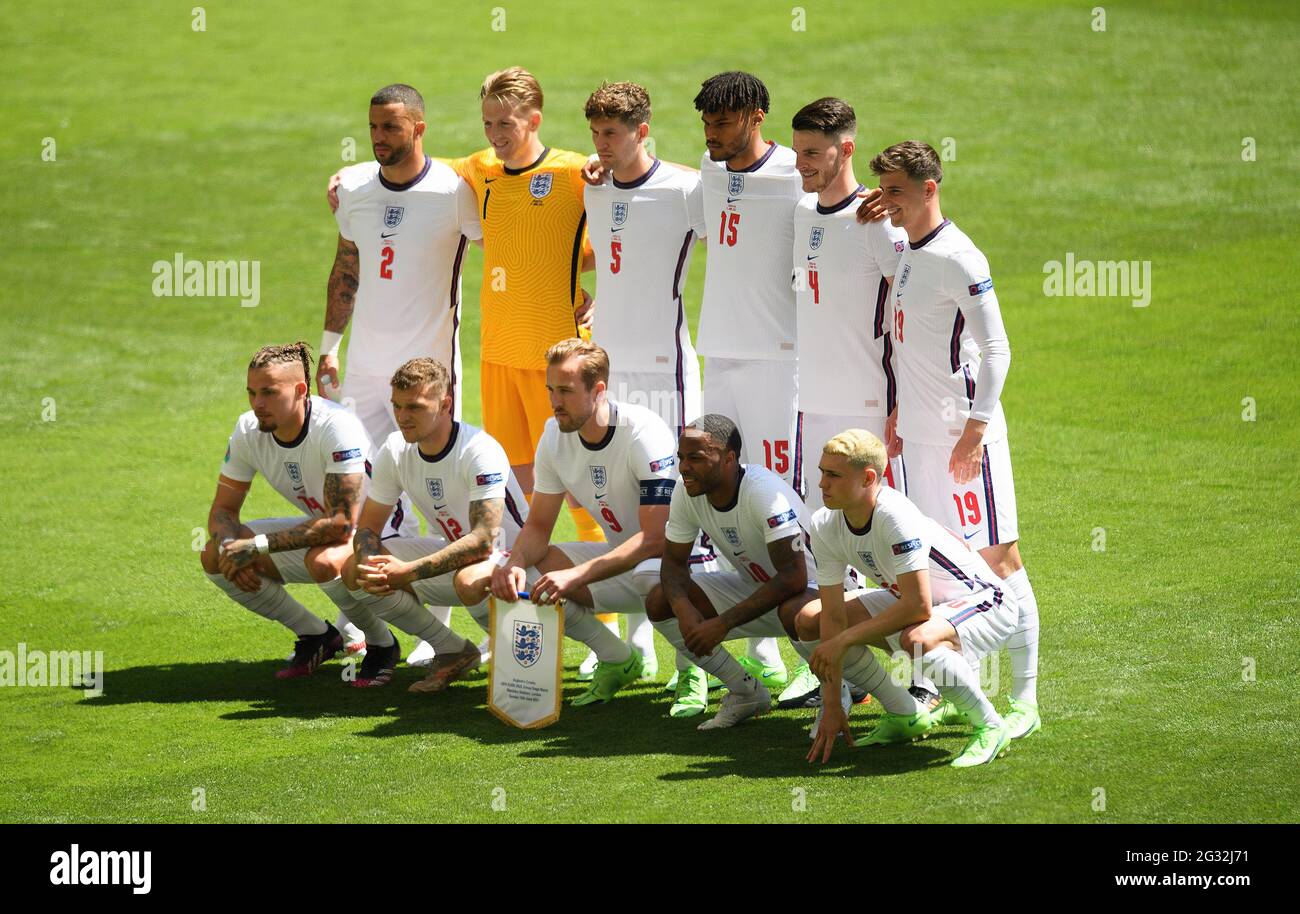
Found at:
<point>377,633</point>
<point>1023,644</point>
<point>863,670</point>
<point>272,601</point>
<point>406,612</point>
<point>581,624</point>
<point>349,631</point>
<point>960,686</point>
<point>680,660</point>
<point>720,663</point>
<point>765,651</point>
<point>641,635</point>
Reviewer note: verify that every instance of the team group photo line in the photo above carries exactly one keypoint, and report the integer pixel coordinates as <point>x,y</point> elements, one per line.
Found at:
<point>837,475</point>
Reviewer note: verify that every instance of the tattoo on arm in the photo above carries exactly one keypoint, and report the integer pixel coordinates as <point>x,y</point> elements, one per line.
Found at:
<point>223,525</point>
<point>485,520</point>
<point>342,499</point>
<point>675,572</point>
<point>365,544</point>
<point>791,577</point>
<point>342,292</point>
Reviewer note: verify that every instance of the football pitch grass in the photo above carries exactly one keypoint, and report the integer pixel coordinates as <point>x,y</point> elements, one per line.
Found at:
<point>1154,446</point>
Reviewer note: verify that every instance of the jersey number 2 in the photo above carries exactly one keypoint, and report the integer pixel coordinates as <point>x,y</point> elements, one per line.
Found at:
<point>386,264</point>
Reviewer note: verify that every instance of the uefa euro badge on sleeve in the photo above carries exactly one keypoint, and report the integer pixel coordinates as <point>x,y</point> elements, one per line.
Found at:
<point>527,657</point>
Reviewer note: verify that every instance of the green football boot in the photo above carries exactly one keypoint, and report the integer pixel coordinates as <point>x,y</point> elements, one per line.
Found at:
<point>692,694</point>
<point>804,686</point>
<point>608,678</point>
<point>671,684</point>
<point>769,677</point>
<point>1023,720</point>
<point>947,714</point>
<point>900,728</point>
<point>987,744</point>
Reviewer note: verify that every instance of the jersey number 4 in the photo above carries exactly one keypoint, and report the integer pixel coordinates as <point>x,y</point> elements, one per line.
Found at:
<point>729,228</point>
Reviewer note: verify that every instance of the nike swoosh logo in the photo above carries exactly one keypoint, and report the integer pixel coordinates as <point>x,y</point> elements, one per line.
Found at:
<point>812,257</point>
<point>488,180</point>
<point>732,199</point>
<point>969,535</point>
<point>438,507</point>
<point>387,234</point>
<point>615,231</point>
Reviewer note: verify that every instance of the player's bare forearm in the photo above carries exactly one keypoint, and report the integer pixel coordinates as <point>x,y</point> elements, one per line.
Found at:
<point>475,546</point>
<point>791,579</point>
<point>832,620</point>
<point>623,557</point>
<point>675,579</point>
<point>530,546</point>
<point>341,294</point>
<point>223,524</point>
<point>316,531</point>
<point>366,545</point>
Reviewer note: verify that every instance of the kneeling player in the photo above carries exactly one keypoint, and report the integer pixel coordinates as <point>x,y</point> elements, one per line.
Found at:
<point>460,480</point>
<point>759,525</point>
<point>939,600</point>
<point>616,460</point>
<point>314,453</point>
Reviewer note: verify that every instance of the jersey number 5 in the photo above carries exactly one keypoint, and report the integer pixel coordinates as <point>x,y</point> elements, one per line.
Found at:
<point>615,255</point>
<point>386,263</point>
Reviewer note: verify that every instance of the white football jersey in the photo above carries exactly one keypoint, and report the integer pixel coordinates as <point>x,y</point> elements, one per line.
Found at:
<point>898,539</point>
<point>842,301</point>
<point>332,440</point>
<point>411,240</point>
<point>472,467</point>
<point>634,465</point>
<point>943,302</point>
<point>748,221</point>
<point>766,509</point>
<point>642,233</point>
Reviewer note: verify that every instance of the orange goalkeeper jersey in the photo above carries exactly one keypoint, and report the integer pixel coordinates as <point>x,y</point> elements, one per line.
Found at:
<point>534,239</point>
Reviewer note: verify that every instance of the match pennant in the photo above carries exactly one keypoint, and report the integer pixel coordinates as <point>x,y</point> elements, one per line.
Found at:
<point>524,685</point>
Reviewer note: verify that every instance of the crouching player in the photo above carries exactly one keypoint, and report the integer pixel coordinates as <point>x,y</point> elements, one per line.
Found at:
<point>939,600</point>
<point>315,454</point>
<point>759,525</point>
<point>460,479</point>
<point>616,460</point>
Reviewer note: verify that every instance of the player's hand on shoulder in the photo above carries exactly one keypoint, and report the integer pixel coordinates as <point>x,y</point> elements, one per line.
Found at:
<point>332,190</point>
<point>872,207</point>
<point>593,172</point>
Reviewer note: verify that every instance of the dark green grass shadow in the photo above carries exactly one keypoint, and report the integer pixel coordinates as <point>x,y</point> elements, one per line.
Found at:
<point>635,724</point>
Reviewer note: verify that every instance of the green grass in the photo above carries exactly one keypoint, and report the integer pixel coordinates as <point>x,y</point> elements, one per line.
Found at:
<point>1123,144</point>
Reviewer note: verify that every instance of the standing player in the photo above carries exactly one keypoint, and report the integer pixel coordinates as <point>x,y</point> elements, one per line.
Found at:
<point>843,269</point>
<point>747,319</point>
<point>760,527</point>
<point>937,599</point>
<point>403,222</point>
<point>616,459</point>
<point>953,356</point>
<point>315,454</point>
<point>640,221</point>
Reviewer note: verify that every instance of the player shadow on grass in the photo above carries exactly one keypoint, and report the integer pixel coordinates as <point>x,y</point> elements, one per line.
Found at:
<point>636,723</point>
